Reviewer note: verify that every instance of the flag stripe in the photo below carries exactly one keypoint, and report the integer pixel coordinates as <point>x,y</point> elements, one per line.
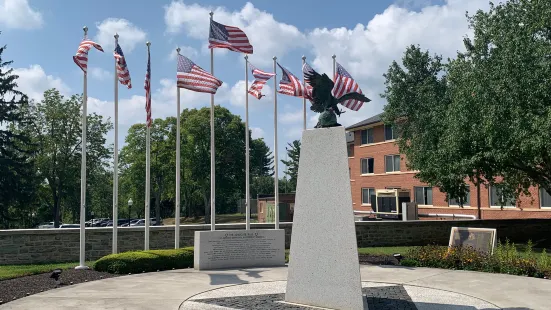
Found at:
<point>229,37</point>
<point>261,78</point>
<point>344,84</point>
<point>290,84</point>
<point>193,77</point>
<point>81,57</point>
<point>147,87</point>
<point>122,67</point>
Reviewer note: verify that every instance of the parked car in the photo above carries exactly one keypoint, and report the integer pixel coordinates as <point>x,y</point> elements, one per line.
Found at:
<point>70,226</point>
<point>47,225</point>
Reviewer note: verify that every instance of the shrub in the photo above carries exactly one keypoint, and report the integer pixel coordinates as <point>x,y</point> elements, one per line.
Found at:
<point>140,261</point>
<point>505,259</point>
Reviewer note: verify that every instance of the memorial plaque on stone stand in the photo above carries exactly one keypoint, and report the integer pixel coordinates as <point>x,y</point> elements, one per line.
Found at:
<point>481,239</point>
<point>220,249</point>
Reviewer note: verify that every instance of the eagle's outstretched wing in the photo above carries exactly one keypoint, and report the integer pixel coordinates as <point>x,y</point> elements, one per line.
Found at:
<point>322,86</point>
<point>353,96</point>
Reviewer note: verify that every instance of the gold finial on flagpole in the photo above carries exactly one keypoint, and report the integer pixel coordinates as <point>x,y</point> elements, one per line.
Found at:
<point>85,28</point>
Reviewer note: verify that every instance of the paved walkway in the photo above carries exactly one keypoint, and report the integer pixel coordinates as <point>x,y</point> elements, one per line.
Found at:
<point>169,289</point>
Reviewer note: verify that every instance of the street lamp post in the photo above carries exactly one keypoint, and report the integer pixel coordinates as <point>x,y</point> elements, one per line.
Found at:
<point>130,202</point>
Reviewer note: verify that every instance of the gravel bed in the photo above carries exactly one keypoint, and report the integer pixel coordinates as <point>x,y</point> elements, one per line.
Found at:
<point>13,289</point>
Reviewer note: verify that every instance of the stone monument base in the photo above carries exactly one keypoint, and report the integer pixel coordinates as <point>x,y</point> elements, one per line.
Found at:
<point>220,249</point>
<point>324,270</point>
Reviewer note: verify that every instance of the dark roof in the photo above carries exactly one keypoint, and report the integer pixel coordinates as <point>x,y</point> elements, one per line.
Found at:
<point>365,122</point>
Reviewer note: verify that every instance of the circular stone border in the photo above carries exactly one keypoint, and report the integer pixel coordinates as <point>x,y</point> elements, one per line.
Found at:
<point>378,295</point>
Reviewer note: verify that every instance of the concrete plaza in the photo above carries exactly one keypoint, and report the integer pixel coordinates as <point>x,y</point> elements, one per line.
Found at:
<point>176,289</point>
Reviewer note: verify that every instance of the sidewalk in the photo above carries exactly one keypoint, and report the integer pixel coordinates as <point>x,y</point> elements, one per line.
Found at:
<point>169,289</point>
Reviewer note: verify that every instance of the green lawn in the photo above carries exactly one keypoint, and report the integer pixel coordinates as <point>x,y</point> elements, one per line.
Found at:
<point>15,271</point>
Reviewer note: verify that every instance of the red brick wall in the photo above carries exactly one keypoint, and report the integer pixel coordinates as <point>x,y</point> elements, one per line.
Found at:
<point>527,207</point>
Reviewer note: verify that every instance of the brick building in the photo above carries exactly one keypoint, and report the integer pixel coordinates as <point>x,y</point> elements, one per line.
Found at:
<point>375,163</point>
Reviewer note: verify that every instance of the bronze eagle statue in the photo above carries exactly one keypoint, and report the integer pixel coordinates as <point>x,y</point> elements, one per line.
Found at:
<point>323,100</point>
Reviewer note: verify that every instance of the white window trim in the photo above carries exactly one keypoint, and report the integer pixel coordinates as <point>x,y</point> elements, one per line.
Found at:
<point>497,207</point>
<point>539,197</point>
<point>394,171</point>
<point>423,187</point>
<point>362,195</point>
<point>367,143</point>
<point>366,174</point>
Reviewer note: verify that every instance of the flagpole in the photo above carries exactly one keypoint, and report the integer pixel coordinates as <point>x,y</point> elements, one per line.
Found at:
<point>247,159</point>
<point>116,159</point>
<point>147,175</point>
<point>177,211</point>
<point>276,179</point>
<point>212,149</point>
<point>334,66</point>
<point>83,171</point>
<point>304,94</point>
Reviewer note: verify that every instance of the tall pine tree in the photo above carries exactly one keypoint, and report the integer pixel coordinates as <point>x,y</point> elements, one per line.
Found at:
<point>293,152</point>
<point>16,173</point>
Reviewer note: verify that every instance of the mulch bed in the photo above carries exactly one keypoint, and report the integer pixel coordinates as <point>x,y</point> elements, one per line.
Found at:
<point>13,289</point>
<point>368,259</point>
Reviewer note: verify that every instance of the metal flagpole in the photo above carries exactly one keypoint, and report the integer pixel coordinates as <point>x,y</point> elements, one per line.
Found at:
<point>177,211</point>
<point>304,94</point>
<point>147,174</point>
<point>116,159</point>
<point>83,171</point>
<point>334,66</point>
<point>212,149</point>
<point>276,179</point>
<point>247,159</point>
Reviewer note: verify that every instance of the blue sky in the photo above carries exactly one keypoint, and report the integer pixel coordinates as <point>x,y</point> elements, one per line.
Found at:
<point>42,37</point>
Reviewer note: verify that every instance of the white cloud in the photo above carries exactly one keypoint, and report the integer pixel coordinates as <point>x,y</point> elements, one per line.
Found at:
<point>187,51</point>
<point>100,73</point>
<point>236,96</point>
<point>268,36</point>
<point>291,117</point>
<point>33,81</point>
<point>366,51</point>
<point>17,14</point>
<point>129,34</point>
<point>257,132</point>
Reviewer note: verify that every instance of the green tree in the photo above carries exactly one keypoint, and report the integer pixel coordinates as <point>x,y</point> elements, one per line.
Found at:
<point>293,152</point>
<point>133,163</point>
<point>484,116</point>
<point>17,179</point>
<point>56,130</point>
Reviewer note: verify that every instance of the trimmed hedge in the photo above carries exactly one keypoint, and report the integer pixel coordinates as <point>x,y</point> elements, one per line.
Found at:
<point>145,261</point>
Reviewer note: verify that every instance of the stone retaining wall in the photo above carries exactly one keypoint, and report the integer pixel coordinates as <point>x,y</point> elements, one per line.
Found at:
<point>29,246</point>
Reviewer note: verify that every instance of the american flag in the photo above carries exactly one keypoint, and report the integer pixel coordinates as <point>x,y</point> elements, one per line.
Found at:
<point>344,84</point>
<point>81,57</point>
<point>261,77</point>
<point>122,67</point>
<point>290,84</point>
<point>307,69</point>
<point>147,87</point>
<point>193,77</point>
<point>232,38</point>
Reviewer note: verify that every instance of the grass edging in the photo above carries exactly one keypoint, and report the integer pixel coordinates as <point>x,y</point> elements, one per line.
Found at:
<point>145,261</point>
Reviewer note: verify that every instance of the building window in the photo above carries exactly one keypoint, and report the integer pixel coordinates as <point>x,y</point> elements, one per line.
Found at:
<point>367,136</point>
<point>457,202</point>
<point>350,150</point>
<point>423,195</point>
<point>366,165</point>
<point>545,198</point>
<point>389,132</point>
<point>366,195</point>
<point>498,199</point>
<point>392,163</point>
